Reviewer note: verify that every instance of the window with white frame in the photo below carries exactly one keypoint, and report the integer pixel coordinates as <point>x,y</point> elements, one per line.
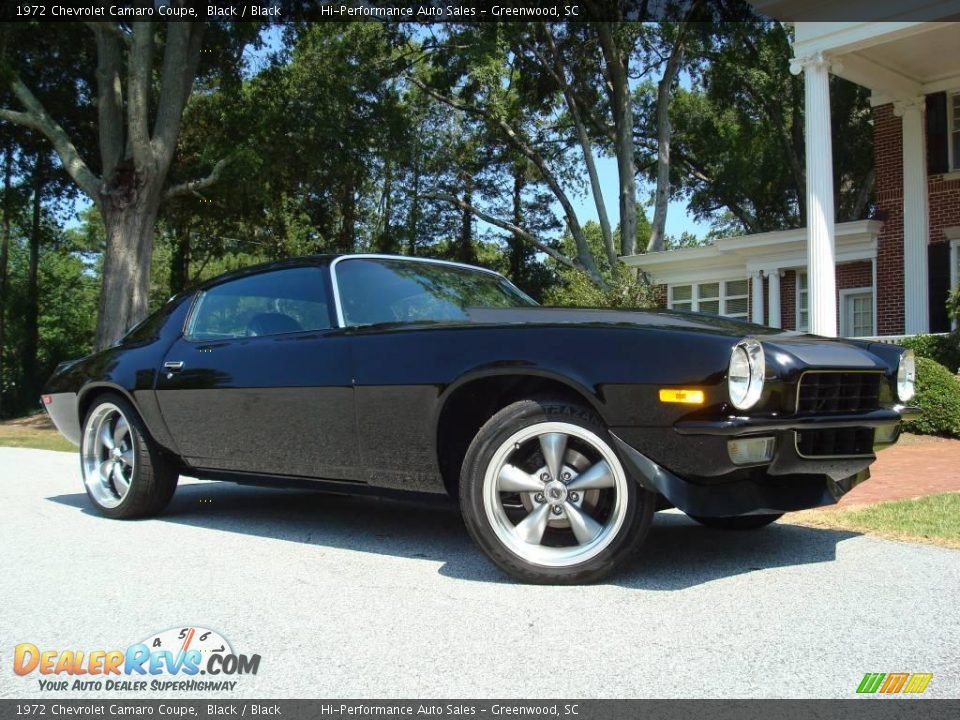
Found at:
<point>953,120</point>
<point>803,306</point>
<point>730,298</point>
<point>856,312</point>
<point>954,263</point>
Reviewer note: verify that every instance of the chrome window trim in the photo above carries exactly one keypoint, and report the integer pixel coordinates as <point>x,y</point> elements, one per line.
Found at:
<point>335,285</point>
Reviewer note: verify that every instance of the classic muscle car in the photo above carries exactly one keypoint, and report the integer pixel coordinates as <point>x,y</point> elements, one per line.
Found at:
<point>559,431</point>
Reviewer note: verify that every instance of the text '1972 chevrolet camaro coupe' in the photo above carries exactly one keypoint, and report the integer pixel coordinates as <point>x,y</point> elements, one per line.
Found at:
<point>560,431</point>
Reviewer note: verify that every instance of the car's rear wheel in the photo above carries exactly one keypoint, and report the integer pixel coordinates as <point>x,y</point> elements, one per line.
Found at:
<point>740,522</point>
<point>125,473</point>
<point>545,496</point>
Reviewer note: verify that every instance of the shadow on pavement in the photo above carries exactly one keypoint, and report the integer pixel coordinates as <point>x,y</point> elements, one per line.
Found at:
<point>677,554</point>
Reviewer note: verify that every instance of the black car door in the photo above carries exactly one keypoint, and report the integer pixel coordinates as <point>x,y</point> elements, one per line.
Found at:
<point>260,381</point>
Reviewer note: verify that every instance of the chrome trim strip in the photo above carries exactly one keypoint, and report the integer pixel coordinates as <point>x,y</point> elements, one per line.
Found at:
<point>335,286</point>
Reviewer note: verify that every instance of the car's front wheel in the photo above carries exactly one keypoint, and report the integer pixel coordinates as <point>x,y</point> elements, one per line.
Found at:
<point>740,522</point>
<point>545,496</point>
<point>125,473</point>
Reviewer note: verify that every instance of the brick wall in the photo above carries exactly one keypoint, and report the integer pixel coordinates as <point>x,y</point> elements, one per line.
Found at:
<point>854,275</point>
<point>944,201</point>
<point>888,154</point>
<point>944,196</point>
<point>788,300</point>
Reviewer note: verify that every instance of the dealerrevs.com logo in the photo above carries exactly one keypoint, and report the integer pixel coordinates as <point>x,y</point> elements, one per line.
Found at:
<point>189,659</point>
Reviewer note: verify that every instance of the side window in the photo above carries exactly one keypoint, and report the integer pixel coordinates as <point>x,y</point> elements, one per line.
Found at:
<point>270,303</point>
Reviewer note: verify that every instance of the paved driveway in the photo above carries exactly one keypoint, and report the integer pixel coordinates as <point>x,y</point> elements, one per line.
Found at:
<point>365,598</point>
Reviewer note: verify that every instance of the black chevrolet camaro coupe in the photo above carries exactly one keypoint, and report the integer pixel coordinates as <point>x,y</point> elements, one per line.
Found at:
<point>559,431</point>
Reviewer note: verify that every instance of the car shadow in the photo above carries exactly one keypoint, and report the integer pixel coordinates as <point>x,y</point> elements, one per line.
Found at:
<point>677,554</point>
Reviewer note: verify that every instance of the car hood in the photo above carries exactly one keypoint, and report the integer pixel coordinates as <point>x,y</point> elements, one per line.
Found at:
<point>804,349</point>
<point>661,319</point>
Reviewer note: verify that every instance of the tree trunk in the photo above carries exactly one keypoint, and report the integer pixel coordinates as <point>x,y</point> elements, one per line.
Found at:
<point>125,295</point>
<point>347,240</point>
<point>517,246</point>
<point>464,251</point>
<point>618,87</point>
<point>658,240</point>
<point>5,261</point>
<point>387,243</point>
<point>31,320</point>
<point>180,260</point>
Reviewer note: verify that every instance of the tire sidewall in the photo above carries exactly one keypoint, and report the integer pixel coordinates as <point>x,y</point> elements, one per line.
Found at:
<point>520,415</point>
<point>145,459</point>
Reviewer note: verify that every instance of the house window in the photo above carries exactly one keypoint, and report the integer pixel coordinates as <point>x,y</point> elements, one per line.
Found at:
<point>803,307</point>
<point>856,312</point>
<point>954,263</point>
<point>954,270</point>
<point>729,298</point>
<point>953,119</point>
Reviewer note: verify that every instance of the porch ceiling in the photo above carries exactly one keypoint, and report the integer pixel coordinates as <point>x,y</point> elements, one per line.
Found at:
<point>905,50</point>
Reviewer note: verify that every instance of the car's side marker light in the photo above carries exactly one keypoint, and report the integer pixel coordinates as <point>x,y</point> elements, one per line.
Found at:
<point>681,395</point>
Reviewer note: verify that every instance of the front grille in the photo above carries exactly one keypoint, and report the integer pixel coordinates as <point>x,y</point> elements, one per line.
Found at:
<point>828,392</point>
<point>839,441</point>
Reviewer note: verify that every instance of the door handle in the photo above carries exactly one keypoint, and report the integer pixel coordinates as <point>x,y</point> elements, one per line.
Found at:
<point>172,367</point>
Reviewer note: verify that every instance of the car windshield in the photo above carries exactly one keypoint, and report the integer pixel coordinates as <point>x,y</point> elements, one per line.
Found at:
<point>376,291</point>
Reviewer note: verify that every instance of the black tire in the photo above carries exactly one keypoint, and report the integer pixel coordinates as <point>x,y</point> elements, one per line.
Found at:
<point>628,518</point>
<point>740,522</point>
<point>153,475</point>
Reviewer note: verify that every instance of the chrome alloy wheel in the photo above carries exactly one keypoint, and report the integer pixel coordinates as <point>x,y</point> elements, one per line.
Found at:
<point>555,494</point>
<point>107,455</point>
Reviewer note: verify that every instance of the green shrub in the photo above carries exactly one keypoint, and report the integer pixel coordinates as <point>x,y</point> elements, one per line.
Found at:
<point>625,292</point>
<point>944,349</point>
<point>953,304</point>
<point>938,396</point>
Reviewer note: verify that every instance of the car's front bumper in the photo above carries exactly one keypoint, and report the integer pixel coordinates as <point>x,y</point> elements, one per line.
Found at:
<point>690,464</point>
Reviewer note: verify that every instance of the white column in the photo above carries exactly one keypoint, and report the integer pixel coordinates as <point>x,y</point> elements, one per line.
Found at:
<point>773,297</point>
<point>916,310</point>
<point>756,297</point>
<point>821,265</point>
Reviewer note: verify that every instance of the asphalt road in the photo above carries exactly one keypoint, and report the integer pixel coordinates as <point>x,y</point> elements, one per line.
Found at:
<point>351,597</point>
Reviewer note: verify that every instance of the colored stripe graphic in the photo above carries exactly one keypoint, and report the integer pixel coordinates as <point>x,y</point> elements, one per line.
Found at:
<point>894,683</point>
<point>918,682</point>
<point>870,682</point>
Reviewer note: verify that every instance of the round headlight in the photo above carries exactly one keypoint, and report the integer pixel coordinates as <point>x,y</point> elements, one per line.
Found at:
<point>906,376</point>
<point>745,375</point>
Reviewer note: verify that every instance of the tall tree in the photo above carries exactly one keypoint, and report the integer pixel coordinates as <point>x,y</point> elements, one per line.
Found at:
<point>7,205</point>
<point>738,145</point>
<point>139,105</point>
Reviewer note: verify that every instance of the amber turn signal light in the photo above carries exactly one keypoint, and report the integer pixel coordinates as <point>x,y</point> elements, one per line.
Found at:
<point>681,395</point>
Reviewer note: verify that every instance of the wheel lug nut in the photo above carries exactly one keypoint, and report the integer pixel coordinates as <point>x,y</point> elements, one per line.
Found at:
<point>574,497</point>
<point>544,476</point>
<point>565,476</point>
<point>538,497</point>
<point>557,510</point>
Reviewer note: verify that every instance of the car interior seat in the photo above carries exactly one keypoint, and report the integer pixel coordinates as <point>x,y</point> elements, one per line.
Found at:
<point>272,323</point>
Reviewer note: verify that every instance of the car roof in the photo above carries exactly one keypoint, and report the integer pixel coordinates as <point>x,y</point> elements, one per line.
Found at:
<point>326,260</point>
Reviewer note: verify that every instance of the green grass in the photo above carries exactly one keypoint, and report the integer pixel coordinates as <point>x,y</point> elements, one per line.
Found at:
<point>932,519</point>
<point>33,432</point>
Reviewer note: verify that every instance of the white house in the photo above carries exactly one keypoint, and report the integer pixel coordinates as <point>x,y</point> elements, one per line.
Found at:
<point>887,276</point>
